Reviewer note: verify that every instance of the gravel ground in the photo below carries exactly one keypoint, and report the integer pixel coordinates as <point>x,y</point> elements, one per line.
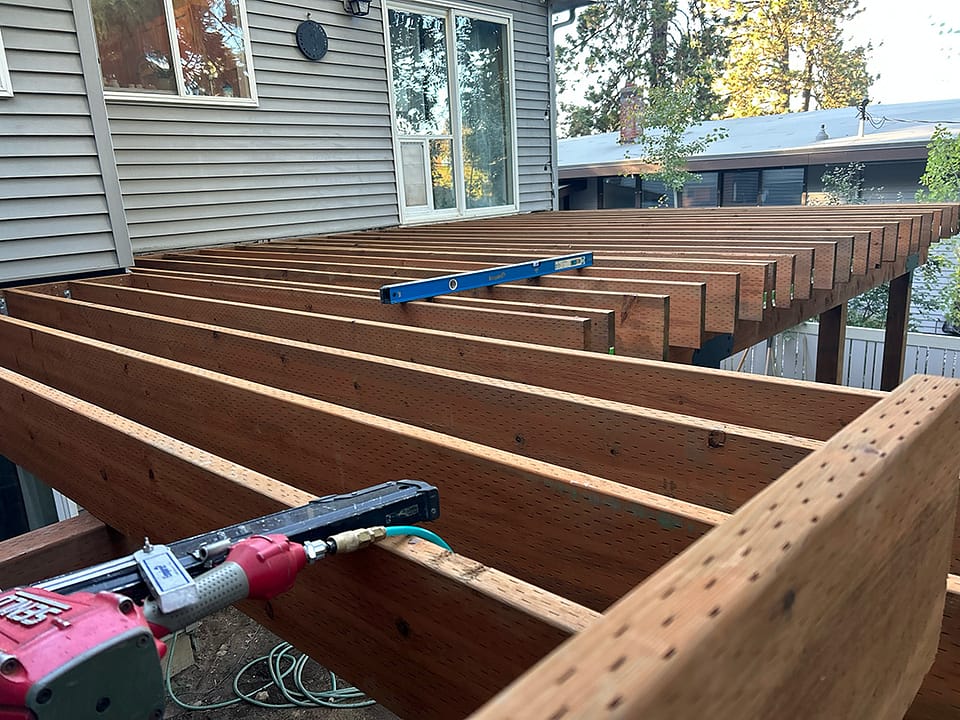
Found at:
<point>224,643</point>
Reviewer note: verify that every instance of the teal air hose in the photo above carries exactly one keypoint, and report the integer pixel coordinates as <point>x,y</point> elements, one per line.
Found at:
<point>398,530</point>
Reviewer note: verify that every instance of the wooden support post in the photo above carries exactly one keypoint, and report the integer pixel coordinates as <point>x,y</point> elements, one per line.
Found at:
<point>830,345</point>
<point>895,335</point>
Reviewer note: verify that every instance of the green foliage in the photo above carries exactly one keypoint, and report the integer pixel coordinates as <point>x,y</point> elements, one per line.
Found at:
<point>666,142</point>
<point>941,177</point>
<point>843,184</point>
<point>941,183</point>
<point>787,54</point>
<point>645,43</point>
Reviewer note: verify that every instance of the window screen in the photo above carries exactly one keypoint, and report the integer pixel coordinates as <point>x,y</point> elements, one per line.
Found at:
<point>619,192</point>
<point>783,186</point>
<point>741,187</point>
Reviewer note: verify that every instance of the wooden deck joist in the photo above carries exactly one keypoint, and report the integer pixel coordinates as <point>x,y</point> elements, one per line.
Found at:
<point>632,537</point>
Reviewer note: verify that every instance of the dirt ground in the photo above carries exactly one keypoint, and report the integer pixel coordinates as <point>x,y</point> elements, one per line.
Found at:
<point>223,644</point>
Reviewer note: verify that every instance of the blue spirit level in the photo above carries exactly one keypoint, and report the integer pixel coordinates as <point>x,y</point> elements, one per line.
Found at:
<point>431,287</point>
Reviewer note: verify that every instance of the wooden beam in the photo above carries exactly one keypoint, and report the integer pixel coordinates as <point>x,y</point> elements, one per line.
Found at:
<point>382,618</point>
<point>831,345</point>
<point>939,696</point>
<point>58,548</point>
<point>803,583</point>
<point>289,436</point>
<point>895,332</point>
<point>721,468</point>
<point>789,407</point>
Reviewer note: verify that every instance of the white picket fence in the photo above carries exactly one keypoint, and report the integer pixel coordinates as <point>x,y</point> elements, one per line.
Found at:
<point>793,354</point>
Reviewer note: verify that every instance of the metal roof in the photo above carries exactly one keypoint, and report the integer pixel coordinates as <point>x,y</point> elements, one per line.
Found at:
<point>781,139</point>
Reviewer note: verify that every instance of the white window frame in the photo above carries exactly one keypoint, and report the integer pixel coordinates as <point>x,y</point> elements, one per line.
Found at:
<point>449,11</point>
<point>6,87</point>
<point>182,98</point>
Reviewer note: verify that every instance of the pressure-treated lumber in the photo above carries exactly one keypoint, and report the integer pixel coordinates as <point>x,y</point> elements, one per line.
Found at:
<point>304,434</point>
<point>789,407</point>
<point>397,604</point>
<point>821,598</point>
<point>939,696</point>
<point>722,466</point>
<point>53,550</point>
<point>895,331</point>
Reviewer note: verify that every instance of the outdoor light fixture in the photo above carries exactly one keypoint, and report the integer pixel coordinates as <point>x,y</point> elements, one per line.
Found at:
<point>358,8</point>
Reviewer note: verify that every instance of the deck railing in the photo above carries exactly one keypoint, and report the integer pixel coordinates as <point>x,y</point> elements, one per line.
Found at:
<point>793,354</point>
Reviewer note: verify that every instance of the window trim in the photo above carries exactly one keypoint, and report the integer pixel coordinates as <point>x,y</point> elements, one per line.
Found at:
<point>6,86</point>
<point>449,10</point>
<point>181,98</point>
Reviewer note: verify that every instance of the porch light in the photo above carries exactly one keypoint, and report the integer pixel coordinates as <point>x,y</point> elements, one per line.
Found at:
<point>358,8</point>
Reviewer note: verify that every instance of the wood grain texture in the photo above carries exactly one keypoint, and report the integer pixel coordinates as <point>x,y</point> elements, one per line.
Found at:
<point>821,598</point>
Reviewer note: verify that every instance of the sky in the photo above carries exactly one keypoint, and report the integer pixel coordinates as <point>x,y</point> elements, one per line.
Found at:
<point>914,61</point>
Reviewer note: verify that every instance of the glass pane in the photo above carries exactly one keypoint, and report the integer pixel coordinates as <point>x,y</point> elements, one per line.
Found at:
<point>414,175</point>
<point>421,91</point>
<point>441,172</point>
<point>134,45</point>
<point>619,192</point>
<point>741,188</point>
<point>701,193</point>
<point>484,112</point>
<point>654,193</point>
<point>783,186</point>
<point>212,48</point>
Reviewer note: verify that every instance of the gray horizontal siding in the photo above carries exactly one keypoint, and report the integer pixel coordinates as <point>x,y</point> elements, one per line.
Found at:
<point>316,155</point>
<point>53,209</point>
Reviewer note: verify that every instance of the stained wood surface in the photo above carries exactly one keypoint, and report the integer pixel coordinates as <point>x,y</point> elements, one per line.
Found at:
<point>788,609</point>
<point>228,382</point>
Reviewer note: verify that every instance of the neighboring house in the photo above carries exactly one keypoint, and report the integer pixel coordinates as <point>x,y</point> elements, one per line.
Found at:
<point>767,160</point>
<point>771,160</point>
<point>129,127</point>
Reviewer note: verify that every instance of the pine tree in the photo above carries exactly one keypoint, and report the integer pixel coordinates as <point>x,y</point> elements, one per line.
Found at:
<point>645,43</point>
<point>790,55</point>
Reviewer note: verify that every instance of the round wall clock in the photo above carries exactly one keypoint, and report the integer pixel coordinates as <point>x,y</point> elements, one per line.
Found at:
<point>312,40</point>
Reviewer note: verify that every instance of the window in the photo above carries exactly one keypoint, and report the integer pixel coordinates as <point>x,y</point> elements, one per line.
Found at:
<point>783,186</point>
<point>654,193</point>
<point>452,111</point>
<point>618,192</point>
<point>186,49</point>
<point>6,88</point>
<point>702,192</point>
<point>741,188</point>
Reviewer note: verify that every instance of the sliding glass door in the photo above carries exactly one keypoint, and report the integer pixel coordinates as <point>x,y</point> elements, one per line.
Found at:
<point>453,113</point>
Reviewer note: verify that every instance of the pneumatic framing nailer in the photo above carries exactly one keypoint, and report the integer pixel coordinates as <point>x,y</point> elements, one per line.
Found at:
<point>87,644</point>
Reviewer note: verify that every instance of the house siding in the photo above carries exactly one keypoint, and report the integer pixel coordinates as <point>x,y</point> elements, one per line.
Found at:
<point>54,205</point>
<point>316,156</point>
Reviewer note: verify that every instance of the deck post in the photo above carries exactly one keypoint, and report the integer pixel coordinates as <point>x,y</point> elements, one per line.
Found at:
<point>830,344</point>
<point>895,334</point>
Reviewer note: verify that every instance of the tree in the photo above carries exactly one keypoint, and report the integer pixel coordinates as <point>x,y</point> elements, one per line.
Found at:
<point>790,54</point>
<point>668,139</point>
<point>941,183</point>
<point>645,43</point>
<point>843,185</point>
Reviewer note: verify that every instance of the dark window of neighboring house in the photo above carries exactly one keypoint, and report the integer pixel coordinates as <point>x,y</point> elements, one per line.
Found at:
<point>741,188</point>
<point>618,192</point>
<point>782,186</point>
<point>654,193</point>
<point>702,192</point>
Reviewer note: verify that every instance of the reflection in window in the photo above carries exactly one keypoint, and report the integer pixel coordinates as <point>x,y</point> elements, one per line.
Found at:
<point>6,89</point>
<point>782,186</point>
<point>209,59</point>
<point>702,192</point>
<point>654,193</point>
<point>420,88</point>
<point>619,192</point>
<point>741,188</point>
<point>484,112</point>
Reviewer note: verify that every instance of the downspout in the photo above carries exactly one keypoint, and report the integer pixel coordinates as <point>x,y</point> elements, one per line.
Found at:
<point>552,110</point>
